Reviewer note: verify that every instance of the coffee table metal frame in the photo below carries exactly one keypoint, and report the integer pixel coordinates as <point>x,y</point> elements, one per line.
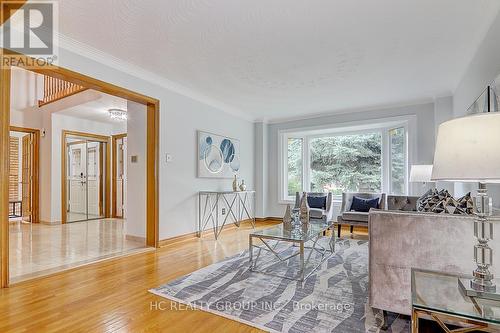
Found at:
<point>302,245</point>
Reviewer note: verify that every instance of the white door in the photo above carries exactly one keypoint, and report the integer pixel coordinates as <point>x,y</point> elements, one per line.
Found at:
<point>85,175</point>
<point>93,179</point>
<point>77,198</point>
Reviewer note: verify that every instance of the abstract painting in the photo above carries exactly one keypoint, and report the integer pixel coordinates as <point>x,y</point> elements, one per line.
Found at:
<point>218,156</point>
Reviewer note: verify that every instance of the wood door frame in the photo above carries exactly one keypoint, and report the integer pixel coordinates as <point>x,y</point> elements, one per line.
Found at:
<point>114,154</point>
<point>64,161</point>
<point>152,146</point>
<point>35,173</point>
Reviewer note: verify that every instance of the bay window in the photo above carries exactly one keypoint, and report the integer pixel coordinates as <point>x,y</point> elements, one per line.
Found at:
<point>373,159</point>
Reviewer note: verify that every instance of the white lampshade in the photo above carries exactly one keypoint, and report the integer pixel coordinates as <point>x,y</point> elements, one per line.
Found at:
<point>468,149</point>
<point>421,173</point>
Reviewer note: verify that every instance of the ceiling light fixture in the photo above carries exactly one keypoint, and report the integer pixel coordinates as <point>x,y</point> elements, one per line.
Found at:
<point>118,114</point>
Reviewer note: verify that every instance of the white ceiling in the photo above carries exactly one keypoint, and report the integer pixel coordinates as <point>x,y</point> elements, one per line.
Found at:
<point>94,108</point>
<point>287,58</point>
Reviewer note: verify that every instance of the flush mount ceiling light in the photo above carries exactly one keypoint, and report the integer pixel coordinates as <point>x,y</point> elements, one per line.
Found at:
<point>118,114</point>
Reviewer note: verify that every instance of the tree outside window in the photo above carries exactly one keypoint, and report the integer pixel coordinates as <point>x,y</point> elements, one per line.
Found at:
<point>397,178</point>
<point>346,163</point>
<point>295,167</point>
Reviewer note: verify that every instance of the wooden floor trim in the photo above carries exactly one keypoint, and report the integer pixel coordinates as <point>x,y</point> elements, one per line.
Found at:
<point>207,233</point>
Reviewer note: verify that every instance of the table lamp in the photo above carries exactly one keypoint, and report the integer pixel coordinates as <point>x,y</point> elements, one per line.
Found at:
<point>467,151</point>
<point>421,174</point>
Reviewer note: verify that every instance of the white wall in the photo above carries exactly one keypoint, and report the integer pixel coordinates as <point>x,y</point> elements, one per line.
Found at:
<point>136,172</point>
<point>484,67</point>
<point>180,118</point>
<point>63,122</point>
<point>443,111</point>
<point>179,121</point>
<point>425,137</point>
<point>261,168</point>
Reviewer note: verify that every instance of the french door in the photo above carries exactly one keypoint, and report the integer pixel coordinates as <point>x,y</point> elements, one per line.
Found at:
<point>85,178</point>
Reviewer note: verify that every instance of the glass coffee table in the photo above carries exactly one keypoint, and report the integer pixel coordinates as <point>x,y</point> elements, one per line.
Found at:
<point>437,296</point>
<point>306,240</point>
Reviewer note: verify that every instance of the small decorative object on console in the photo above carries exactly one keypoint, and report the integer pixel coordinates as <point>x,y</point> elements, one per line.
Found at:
<point>243,186</point>
<point>235,184</point>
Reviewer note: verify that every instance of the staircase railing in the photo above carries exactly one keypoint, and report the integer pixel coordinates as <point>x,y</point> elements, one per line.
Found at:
<point>56,89</point>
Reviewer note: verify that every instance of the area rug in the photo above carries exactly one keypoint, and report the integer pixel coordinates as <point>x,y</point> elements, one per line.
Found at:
<point>333,299</point>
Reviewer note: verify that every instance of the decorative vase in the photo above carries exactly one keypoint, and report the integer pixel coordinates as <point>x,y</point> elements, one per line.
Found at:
<point>287,219</point>
<point>304,210</point>
<point>235,184</point>
<point>243,186</point>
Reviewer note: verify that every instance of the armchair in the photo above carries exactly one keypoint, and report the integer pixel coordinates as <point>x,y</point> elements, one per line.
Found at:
<point>353,218</point>
<point>324,213</point>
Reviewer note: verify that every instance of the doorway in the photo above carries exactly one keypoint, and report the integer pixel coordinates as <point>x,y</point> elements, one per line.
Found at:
<point>24,174</point>
<point>150,161</point>
<point>85,184</point>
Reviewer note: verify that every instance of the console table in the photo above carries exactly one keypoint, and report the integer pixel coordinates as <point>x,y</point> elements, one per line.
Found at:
<point>240,206</point>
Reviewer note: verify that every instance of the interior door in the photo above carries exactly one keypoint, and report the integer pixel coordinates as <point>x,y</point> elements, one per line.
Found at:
<point>26,181</point>
<point>86,178</point>
<point>95,184</point>
<point>77,180</point>
<point>121,177</point>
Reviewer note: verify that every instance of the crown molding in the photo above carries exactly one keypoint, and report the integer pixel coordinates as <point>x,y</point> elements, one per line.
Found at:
<point>109,60</point>
<point>281,120</point>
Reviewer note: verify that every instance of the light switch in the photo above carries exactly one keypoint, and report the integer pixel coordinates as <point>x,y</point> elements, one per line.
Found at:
<point>134,159</point>
<point>169,158</point>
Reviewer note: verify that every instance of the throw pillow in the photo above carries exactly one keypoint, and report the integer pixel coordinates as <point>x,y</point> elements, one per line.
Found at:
<point>317,201</point>
<point>363,205</point>
<point>423,201</point>
<point>442,202</point>
<point>466,204</point>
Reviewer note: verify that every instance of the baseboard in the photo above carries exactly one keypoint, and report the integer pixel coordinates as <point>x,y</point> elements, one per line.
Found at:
<point>272,218</point>
<point>138,239</point>
<point>178,239</point>
<point>182,238</point>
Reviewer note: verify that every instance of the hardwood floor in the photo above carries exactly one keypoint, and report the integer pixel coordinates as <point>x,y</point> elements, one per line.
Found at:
<point>113,296</point>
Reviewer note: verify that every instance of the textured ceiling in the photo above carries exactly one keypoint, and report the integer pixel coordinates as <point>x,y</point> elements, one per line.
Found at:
<point>286,58</point>
<point>94,109</point>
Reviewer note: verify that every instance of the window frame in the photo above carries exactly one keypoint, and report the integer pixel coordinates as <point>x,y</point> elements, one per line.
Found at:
<point>382,126</point>
<point>406,162</point>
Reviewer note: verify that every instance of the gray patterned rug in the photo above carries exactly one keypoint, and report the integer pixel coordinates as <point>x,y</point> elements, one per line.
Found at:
<point>333,299</point>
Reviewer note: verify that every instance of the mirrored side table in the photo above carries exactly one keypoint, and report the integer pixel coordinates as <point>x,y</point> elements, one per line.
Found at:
<point>437,296</point>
